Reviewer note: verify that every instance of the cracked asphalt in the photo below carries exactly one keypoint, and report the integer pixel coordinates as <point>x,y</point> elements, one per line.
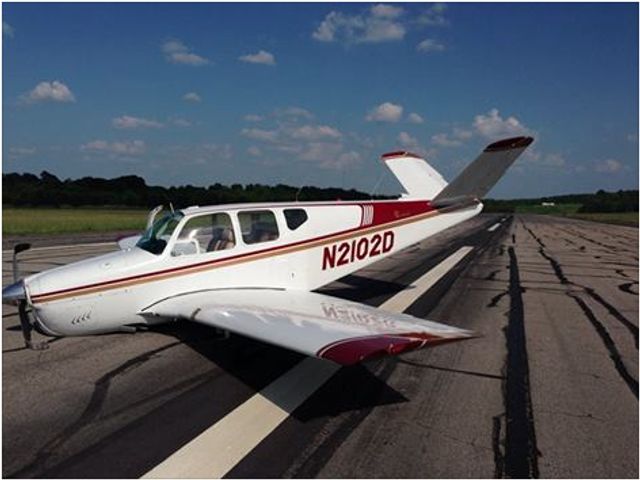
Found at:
<point>550,389</point>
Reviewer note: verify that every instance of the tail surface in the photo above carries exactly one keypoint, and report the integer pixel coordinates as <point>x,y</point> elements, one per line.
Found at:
<point>419,179</point>
<point>483,173</point>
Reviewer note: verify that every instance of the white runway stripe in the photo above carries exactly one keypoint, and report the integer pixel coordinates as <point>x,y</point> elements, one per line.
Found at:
<point>493,227</point>
<point>217,450</point>
<point>213,453</point>
<point>400,301</point>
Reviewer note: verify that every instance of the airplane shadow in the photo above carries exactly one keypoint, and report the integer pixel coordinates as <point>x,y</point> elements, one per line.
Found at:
<point>359,289</point>
<point>257,364</point>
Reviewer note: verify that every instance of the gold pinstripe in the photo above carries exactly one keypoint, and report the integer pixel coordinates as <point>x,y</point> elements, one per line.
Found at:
<point>231,261</point>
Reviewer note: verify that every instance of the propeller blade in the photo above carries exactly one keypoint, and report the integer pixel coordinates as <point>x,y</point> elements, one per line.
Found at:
<point>21,247</point>
<point>27,328</point>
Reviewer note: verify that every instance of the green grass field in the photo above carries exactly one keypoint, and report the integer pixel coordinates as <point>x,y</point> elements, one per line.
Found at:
<point>39,221</point>
<point>622,218</point>
<point>36,221</point>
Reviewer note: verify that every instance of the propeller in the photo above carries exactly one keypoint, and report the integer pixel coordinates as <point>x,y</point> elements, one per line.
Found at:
<point>16,293</point>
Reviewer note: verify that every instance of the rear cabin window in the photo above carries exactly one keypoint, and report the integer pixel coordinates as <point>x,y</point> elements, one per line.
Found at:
<point>258,226</point>
<point>205,233</point>
<point>295,217</point>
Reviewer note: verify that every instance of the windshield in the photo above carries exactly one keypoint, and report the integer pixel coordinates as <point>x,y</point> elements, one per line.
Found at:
<point>155,238</point>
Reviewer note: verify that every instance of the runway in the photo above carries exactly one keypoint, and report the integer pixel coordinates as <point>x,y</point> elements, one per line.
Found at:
<point>549,389</point>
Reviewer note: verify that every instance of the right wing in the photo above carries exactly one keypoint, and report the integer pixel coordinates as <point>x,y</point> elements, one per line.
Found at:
<point>310,323</point>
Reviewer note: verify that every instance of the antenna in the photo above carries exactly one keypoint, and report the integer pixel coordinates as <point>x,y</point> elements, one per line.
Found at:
<point>171,207</point>
<point>381,177</point>
<point>298,192</point>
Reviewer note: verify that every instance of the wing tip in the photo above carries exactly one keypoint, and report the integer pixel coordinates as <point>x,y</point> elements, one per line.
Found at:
<point>355,350</point>
<point>509,144</point>
<point>399,154</point>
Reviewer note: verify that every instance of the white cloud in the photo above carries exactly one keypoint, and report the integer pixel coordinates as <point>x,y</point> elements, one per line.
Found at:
<point>429,45</point>
<point>8,30</point>
<point>262,57</point>
<point>23,150</point>
<point>253,118</point>
<point>328,155</point>
<point>181,122</point>
<point>192,97</point>
<point>454,139</point>
<point>412,144</point>
<point>135,147</point>
<point>554,160</point>
<point>254,151</point>
<point>50,91</point>
<point>199,154</point>
<point>314,132</point>
<point>406,140</point>
<point>177,52</point>
<point>386,11</point>
<point>294,113</point>
<point>609,165</point>
<point>290,140</point>
<point>216,151</point>
<point>260,134</point>
<point>16,153</point>
<point>443,140</point>
<point>415,118</point>
<point>433,16</point>
<point>380,23</point>
<point>493,126</point>
<point>385,112</point>
<point>128,122</point>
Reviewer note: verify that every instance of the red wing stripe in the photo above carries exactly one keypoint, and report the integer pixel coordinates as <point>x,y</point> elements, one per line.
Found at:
<point>355,350</point>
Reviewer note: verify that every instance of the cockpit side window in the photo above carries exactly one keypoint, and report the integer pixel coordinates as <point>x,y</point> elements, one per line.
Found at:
<point>205,233</point>
<point>295,217</point>
<point>258,226</point>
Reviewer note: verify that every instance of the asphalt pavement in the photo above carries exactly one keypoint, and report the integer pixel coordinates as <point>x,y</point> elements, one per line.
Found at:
<point>549,389</point>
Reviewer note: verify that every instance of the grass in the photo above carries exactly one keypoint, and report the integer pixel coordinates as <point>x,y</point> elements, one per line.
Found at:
<point>557,209</point>
<point>620,218</point>
<point>50,221</point>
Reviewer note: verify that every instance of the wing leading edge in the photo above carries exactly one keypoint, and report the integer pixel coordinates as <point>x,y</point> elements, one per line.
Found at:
<point>310,323</point>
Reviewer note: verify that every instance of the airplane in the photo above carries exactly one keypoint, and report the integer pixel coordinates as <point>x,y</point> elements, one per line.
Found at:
<point>252,269</point>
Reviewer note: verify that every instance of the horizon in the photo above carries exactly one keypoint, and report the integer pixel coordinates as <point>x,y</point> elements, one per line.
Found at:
<point>274,185</point>
<point>312,95</point>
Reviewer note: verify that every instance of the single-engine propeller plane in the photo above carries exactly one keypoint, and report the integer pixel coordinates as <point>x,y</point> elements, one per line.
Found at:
<point>252,268</point>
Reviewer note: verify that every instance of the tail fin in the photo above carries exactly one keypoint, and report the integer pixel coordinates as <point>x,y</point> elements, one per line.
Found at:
<point>419,179</point>
<point>483,173</point>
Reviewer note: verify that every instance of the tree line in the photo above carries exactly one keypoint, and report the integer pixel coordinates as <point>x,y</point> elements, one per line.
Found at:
<point>599,202</point>
<point>131,191</point>
<point>47,190</point>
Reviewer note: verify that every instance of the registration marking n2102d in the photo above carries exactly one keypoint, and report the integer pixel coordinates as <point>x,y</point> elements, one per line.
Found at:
<point>343,253</point>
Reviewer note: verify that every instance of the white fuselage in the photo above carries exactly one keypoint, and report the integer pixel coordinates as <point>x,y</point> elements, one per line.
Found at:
<point>108,292</point>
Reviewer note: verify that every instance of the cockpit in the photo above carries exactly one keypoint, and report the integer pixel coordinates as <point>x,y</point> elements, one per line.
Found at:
<point>216,231</point>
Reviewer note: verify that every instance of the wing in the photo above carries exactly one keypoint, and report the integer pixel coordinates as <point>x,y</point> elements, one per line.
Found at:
<point>479,177</point>
<point>310,323</point>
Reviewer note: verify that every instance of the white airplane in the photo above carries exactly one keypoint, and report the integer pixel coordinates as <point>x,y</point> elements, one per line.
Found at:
<point>252,268</point>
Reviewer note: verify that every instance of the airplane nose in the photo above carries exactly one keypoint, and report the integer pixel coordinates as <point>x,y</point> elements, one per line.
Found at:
<point>14,293</point>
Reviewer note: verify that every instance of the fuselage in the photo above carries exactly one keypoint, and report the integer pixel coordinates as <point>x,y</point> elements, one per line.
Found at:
<point>290,246</point>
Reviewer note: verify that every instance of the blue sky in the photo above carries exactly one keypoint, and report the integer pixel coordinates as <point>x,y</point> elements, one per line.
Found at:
<point>314,93</point>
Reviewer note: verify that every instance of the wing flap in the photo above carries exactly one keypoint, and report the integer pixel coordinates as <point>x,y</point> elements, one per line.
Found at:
<point>310,323</point>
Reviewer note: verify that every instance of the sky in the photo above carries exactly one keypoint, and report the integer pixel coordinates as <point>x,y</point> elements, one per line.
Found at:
<point>313,94</point>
